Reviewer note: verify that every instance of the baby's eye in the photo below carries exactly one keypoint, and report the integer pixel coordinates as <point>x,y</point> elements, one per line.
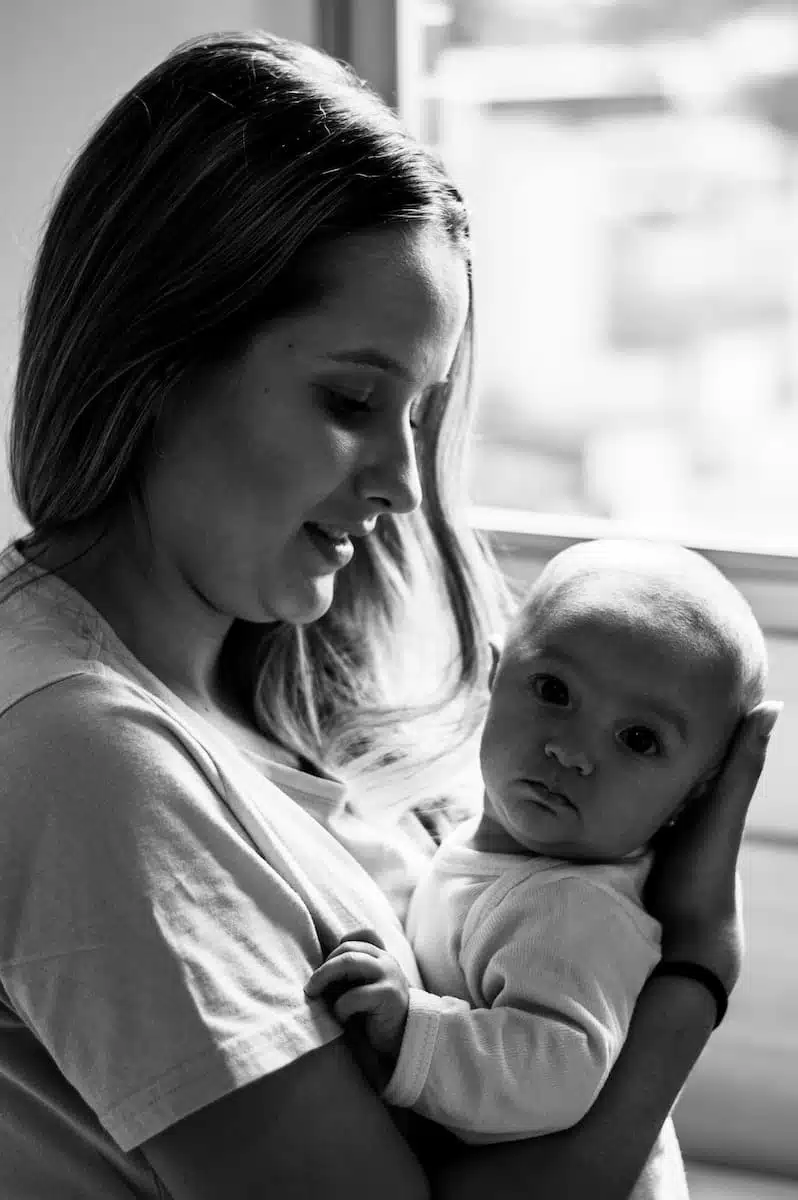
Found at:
<point>641,740</point>
<point>550,690</point>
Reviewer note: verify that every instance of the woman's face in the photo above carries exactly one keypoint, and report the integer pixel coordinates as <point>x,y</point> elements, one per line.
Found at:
<point>271,463</point>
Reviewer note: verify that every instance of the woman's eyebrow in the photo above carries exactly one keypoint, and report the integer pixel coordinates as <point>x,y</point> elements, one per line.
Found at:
<point>378,359</point>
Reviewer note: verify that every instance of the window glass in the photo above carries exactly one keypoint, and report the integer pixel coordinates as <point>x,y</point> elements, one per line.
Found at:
<point>632,171</point>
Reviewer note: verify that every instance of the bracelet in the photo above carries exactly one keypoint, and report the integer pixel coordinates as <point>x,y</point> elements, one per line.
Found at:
<point>691,970</point>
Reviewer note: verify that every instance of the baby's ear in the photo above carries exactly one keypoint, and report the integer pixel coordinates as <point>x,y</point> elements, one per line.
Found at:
<point>710,777</point>
<point>702,787</point>
<point>677,812</point>
<point>697,792</point>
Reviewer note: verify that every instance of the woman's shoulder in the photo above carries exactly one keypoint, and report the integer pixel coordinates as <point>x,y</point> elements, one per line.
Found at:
<point>81,743</point>
<point>46,635</point>
<point>59,661</point>
<point>53,678</point>
<point>73,720</point>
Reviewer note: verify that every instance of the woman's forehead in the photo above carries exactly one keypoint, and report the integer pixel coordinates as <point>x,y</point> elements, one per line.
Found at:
<point>402,293</point>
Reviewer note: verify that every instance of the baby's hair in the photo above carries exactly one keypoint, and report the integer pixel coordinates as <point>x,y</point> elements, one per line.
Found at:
<point>685,592</point>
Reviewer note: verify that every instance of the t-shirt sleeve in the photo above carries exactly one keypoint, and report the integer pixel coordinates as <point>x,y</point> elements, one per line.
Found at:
<point>153,952</point>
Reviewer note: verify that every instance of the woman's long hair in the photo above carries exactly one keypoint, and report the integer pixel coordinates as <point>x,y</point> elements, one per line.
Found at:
<point>193,215</point>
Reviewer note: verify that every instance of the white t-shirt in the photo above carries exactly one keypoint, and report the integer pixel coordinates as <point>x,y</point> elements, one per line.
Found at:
<point>164,898</point>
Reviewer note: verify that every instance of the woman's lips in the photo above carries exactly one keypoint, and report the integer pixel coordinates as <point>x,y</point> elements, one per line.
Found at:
<point>334,547</point>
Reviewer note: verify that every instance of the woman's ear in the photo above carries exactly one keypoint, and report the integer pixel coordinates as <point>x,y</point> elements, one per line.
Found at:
<point>495,655</point>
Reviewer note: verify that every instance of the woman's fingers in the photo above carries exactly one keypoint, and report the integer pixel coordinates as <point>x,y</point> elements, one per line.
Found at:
<point>736,786</point>
<point>712,827</point>
<point>692,888</point>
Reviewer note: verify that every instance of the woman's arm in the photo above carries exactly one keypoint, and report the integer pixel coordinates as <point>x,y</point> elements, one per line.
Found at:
<point>315,1128</point>
<point>601,1157</point>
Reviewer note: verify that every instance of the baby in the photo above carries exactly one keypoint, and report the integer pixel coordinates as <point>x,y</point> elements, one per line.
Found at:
<point>613,704</point>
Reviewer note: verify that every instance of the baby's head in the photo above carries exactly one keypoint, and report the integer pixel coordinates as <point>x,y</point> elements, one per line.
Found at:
<point>613,703</point>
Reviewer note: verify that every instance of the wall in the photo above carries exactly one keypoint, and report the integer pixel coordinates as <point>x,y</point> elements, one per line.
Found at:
<point>62,64</point>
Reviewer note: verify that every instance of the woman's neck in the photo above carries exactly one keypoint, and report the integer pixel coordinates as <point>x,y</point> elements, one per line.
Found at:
<point>164,623</point>
<point>166,626</point>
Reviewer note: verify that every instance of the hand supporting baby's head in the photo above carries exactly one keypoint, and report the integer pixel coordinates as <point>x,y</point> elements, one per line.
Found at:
<point>617,692</point>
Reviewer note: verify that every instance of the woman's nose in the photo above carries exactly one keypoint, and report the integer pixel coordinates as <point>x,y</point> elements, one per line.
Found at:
<point>391,476</point>
<point>570,759</point>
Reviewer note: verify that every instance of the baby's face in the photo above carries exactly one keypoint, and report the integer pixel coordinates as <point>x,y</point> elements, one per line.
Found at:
<point>600,726</point>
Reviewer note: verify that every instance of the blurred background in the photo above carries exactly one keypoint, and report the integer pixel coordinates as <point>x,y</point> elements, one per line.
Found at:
<point>632,167</point>
<point>632,171</point>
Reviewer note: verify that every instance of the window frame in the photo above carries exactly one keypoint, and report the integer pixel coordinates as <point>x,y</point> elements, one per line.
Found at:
<point>365,34</point>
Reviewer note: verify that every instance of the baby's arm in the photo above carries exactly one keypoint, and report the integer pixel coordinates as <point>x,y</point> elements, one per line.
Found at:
<point>555,969</point>
<point>559,970</point>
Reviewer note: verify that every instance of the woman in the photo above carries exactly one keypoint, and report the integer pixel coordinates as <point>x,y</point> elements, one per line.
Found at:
<point>241,369</point>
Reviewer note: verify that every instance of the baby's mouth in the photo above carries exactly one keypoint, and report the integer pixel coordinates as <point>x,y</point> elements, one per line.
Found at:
<point>546,795</point>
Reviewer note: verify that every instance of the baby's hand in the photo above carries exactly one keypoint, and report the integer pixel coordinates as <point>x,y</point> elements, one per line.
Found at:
<point>373,984</point>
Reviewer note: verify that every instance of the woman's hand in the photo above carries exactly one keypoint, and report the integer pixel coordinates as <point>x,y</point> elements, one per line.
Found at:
<point>694,889</point>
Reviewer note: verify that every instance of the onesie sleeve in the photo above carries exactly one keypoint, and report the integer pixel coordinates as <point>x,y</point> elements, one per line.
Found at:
<point>156,956</point>
<point>557,969</point>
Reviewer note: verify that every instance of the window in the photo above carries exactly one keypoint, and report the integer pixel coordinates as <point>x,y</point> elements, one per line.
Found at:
<point>632,171</point>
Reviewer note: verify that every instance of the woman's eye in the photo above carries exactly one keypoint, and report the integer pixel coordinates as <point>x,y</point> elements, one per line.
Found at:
<point>550,690</point>
<point>429,402</point>
<point>640,740</point>
<point>347,406</point>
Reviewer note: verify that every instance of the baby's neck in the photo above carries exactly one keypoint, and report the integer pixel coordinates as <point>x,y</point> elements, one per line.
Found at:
<point>492,838</point>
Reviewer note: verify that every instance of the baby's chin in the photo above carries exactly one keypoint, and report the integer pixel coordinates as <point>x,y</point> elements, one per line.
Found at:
<point>590,855</point>
<point>497,833</point>
<point>579,850</point>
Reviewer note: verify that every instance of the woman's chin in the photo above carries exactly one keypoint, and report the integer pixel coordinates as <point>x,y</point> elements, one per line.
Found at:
<point>303,605</point>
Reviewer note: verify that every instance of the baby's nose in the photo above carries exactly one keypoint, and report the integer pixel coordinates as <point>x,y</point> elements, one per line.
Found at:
<point>569,758</point>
